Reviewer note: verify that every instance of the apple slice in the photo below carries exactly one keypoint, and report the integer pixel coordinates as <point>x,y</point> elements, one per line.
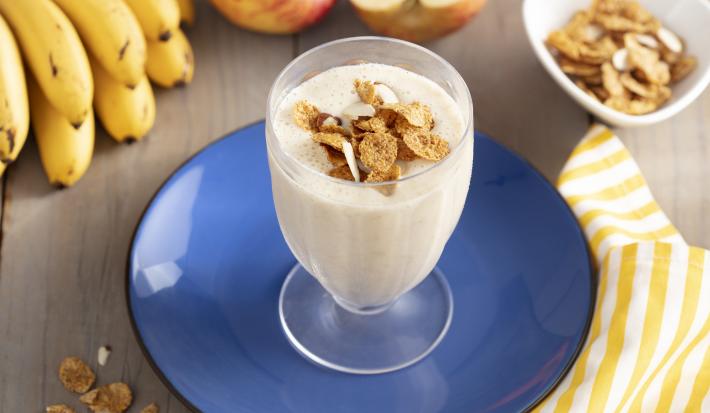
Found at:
<point>385,93</point>
<point>352,162</point>
<point>416,20</point>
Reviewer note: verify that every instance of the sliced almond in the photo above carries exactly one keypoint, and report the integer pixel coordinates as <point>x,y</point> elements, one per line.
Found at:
<point>670,40</point>
<point>647,40</point>
<point>330,121</point>
<point>357,110</point>
<point>386,94</point>
<point>593,32</point>
<point>104,352</point>
<point>326,119</point>
<point>620,60</point>
<point>352,162</point>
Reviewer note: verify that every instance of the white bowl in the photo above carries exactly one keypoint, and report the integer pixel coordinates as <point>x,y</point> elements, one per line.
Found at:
<point>688,18</point>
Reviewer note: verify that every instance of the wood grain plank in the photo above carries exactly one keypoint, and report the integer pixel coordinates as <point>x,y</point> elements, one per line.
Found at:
<point>673,156</point>
<point>62,262</point>
<point>64,252</point>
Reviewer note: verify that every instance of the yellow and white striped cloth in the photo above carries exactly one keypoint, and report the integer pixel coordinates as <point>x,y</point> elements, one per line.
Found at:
<point>648,349</point>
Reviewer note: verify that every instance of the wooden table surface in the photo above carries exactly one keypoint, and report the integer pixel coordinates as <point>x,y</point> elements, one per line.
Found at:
<point>63,253</point>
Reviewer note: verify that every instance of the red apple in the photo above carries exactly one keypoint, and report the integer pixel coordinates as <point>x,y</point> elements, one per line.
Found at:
<point>274,16</point>
<point>416,20</point>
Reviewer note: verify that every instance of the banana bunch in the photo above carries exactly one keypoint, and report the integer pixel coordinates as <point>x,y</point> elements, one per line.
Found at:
<point>62,61</point>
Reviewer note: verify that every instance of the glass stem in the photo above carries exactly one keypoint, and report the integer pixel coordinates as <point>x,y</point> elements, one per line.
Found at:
<point>369,310</point>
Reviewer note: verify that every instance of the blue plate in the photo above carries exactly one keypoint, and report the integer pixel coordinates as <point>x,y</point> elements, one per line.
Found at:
<point>208,260</point>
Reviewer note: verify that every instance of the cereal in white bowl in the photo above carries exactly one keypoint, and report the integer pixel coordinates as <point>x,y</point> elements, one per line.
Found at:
<point>688,19</point>
<point>621,55</point>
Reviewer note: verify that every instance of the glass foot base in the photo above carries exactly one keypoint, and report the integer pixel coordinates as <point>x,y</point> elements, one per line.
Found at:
<point>366,342</point>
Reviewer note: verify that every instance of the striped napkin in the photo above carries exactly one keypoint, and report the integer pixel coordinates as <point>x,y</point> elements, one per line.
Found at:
<point>648,348</point>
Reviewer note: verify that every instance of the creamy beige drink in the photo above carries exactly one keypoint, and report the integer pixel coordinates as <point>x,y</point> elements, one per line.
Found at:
<point>368,242</point>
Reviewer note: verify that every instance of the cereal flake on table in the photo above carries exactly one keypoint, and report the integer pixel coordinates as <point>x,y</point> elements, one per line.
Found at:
<point>621,55</point>
<point>75,375</point>
<point>112,398</point>
<point>103,355</point>
<point>381,131</point>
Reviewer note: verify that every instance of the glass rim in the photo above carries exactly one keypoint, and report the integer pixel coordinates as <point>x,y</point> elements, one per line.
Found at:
<point>468,129</point>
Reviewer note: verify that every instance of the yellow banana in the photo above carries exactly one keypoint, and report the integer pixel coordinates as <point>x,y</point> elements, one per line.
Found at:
<point>170,63</point>
<point>187,12</point>
<point>14,110</point>
<point>65,151</point>
<point>158,18</point>
<point>127,114</point>
<point>54,54</point>
<point>111,32</point>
